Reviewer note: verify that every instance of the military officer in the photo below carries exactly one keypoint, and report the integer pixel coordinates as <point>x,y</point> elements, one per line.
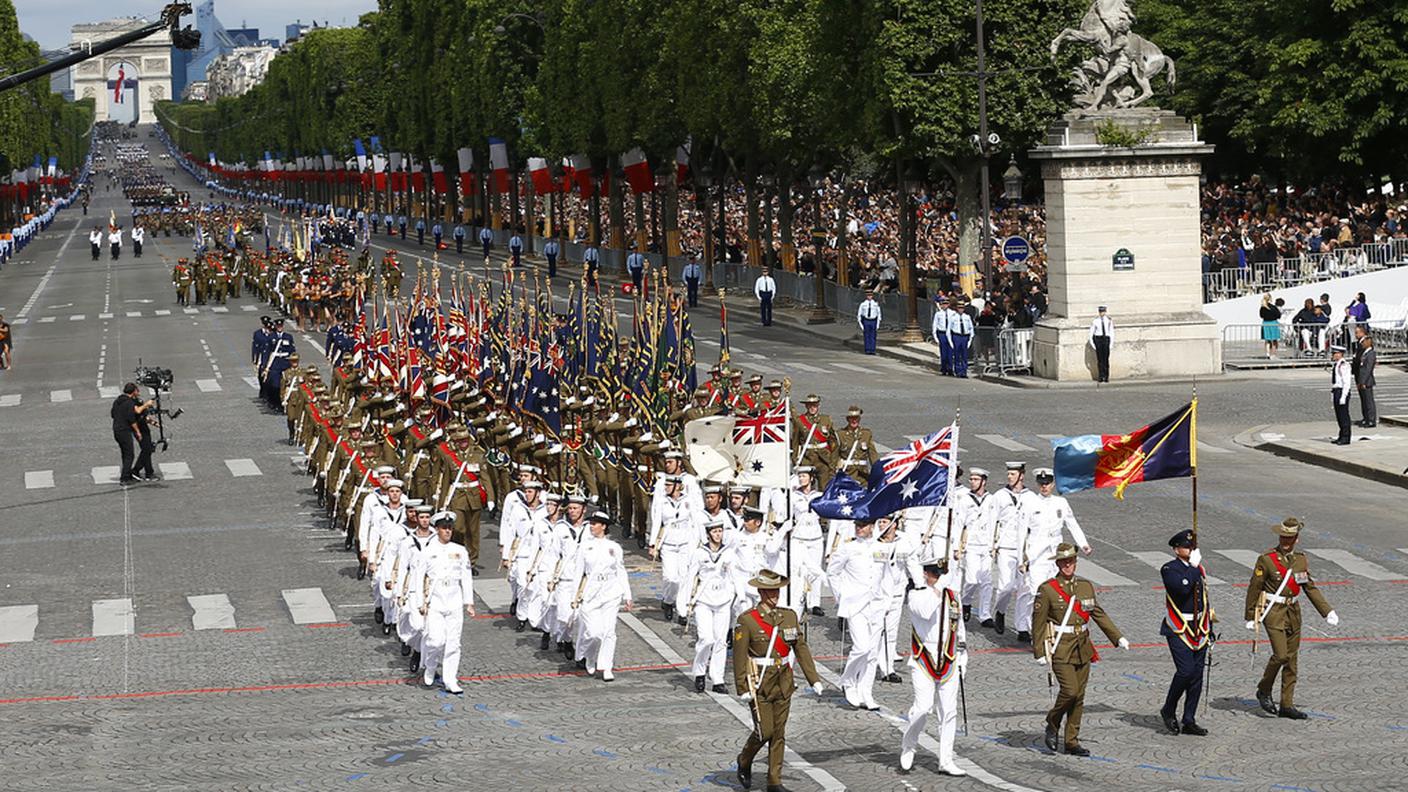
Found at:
<point>602,592</point>
<point>462,489</point>
<point>181,280</point>
<point>1273,601</point>
<point>938,660</point>
<point>443,589</point>
<point>767,643</point>
<point>1011,538</point>
<point>1065,606</point>
<point>708,602</point>
<point>1187,626</point>
<point>975,544</point>
<point>814,440</point>
<point>854,573</point>
<point>855,448</point>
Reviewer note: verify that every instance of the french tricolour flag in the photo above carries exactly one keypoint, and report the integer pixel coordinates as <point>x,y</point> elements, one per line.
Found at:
<point>637,170</point>
<point>498,163</point>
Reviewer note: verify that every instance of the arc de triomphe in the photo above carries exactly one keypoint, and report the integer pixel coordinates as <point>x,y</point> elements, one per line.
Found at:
<point>128,82</point>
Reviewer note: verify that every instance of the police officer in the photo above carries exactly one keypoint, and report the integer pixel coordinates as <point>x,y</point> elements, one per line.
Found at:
<point>1273,601</point>
<point>437,231</point>
<point>765,288</point>
<point>1065,606</point>
<point>420,231</point>
<point>960,332</point>
<point>939,331</point>
<point>635,267</point>
<point>401,225</point>
<point>515,248</point>
<point>459,239</point>
<point>868,315</point>
<point>486,238</point>
<point>692,273</point>
<point>550,251</point>
<point>1187,626</point>
<point>591,260</point>
<point>767,644</point>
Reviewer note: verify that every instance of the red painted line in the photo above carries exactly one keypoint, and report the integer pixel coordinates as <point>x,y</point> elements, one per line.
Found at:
<point>74,640</point>
<point>243,629</point>
<point>327,624</point>
<point>1399,582</point>
<point>161,635</point>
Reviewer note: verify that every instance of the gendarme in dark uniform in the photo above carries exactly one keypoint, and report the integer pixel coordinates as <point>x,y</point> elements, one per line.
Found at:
<point>1273,602</point>
<point>1065,605</point>
<point>767,642</point>
<point>1187,626</point>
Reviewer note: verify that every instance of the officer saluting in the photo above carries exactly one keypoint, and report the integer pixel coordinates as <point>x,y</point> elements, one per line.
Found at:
<point>767,642</point>
<point>1065,606</point>
<point>1278,578</point>
<point>1188,627</point>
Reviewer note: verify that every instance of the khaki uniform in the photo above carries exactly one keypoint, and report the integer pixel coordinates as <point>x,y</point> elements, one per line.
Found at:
<point>772,686</point>
<point>814,443</point>
<point>465,493</point>
<point>181,280</point>
<point>855,452</point>
<point>1281,619</point>
<point>1072,652</point>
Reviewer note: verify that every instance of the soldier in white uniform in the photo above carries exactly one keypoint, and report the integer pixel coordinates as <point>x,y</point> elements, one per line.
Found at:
<point>394,529</point>
<point>752,546</point>
<point>410,623</point>
<point>938,661</point>
<point>571,533</point>
<point>374,534</point>
<point>442,586</point>
<point>1011,535</point>
<point>603,590</point>
<point>521,509</point>
<point>675,528</point>
<point>808,541</point>
<point>1046,515</point>
<point>366,518</point>
<point>897,551</point>
<point>975,545</point>
<point>536,548</point>
<point>854,574</point>
<point>709,602</point>
<point>673,465</point>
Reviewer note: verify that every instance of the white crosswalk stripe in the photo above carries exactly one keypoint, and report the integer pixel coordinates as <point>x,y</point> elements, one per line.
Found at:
<point>1246,558</point>
<point>162,312</point>
<point>807,367</point>
<point>174,471</point>
<point>133,314</point>
<point>106,474</point>
<point>249,308</point>
<point>11,399</point>
<point>104,316</point>
<point>1157,560</point>
<point>1005,443</point>
<point>211,612</point>
<point>39,479</point>
<point>1101,576</point>
<point>108,391</point>
<point>189,311</point>
<point>113,617</point>
<point>494,593</point>
<point>251,382</point>
<point>17,623</point>
<point>1353,564</point>
<point>77,318</point>
<point>208,385</point>
<point>64,395</point>
<point>854,367</point>
<point>47,319</point>
<point>220,309</point>
<point>242,467</point>
<point>309,606</point>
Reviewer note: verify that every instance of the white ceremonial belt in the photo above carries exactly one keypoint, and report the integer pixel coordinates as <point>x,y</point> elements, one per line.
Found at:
<point>807,538</point>
<point>1069,628</point>
<point>673,544</point>
<point>1187,617</point>
<point>603,575</point>
<point>770,662</point>
<point>1275,600</point>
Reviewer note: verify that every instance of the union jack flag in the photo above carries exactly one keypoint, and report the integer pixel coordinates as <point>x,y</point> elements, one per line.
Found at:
<point>769,426</point>
<point>938,449</point>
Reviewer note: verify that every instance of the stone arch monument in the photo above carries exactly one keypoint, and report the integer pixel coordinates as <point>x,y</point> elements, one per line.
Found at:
<point>144,67</point>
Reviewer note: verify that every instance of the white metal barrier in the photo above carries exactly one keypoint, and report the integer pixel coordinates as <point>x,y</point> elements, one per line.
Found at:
<point>1286,272</point>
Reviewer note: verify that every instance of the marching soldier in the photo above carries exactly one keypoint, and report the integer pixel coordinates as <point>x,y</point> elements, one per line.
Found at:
<point>443,589</point>
<point>1045,519</point>
<point>855,448</point>
<point>814,440</point>
<point>1273,601</point>
<point>938,660</point>
<point>461,490</point>
<point>181,280</point>
<point>708,602</point>
<point>767,644</point>
<point>1065,606</point>
<point>1188,627</point>
<point>602,591</point>
<point>1011,539</point>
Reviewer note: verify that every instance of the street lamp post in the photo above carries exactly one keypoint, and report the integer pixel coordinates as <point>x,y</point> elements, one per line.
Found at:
<point>819,313</point>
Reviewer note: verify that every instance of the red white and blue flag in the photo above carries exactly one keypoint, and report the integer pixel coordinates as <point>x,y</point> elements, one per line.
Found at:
<point>750,451</point>
<point>920,474</point>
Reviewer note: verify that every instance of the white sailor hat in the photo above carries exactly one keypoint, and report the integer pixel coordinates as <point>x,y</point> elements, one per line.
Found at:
<point>425,508</point>
<point>600,517</point>
<point>414,503</point>
<point>1022,466</point>
<point>672,453</point>
<point>553,497</point>
<point>386,470</point>
<point>1338,348</point>
<point>977,471</point>
<point>1044,475</point>
<point>805,469</point>
<point>395,482</point>
<point>532,484</point>
<point>442,517</point>
<point>674,480</point>
<point>712,523</point>
<point>713,489</point>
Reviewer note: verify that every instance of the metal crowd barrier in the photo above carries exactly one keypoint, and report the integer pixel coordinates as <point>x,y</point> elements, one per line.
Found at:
<point>1286,272</point>
<point>1014,350</point>
<point>1244,343</point>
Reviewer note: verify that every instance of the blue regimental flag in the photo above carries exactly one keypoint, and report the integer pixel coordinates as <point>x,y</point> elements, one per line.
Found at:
<point>920,474</point>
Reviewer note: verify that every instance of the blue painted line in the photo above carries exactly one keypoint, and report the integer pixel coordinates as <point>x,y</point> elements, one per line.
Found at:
<point>637,574</point>
<point>554,738</point>
<point>442,723</point>
<point>1220,778</point>
<point>357,776</point>
<point>482,707</point>
<point>515,724</point>
<point>1155,768</point>
<point>424,740</point>
<point>1396,727</point>
<point>1292,788</point>
<point>1135,677</point>
<point>447,707</point>
<point>990,738</point>
<point>1104,759</point>
<point>605,754</point>
<point>658,770</point>
<point>393,757</point>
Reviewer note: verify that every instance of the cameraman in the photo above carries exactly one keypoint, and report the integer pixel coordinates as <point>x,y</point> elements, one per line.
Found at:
<point>128,424</point>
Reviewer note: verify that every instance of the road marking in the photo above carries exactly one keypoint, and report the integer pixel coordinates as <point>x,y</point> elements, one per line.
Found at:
<point>741,713</point>
<point>1246,558</point>
<point>1157,560</point>
<point>706,342</point>
<point>1005,443</point>
<point>38,479</point>
<point>251,382</point>
<point>108,391</point>
<point>249,308</point>
<point>855,368</point>
<point>1212,449</point>
<point>190,311</point>
<point>17,623</point>
<point>106,475</point>
<point>242,467</point>
<point>112,617</point>
<point>806,367</point>
<point>33,298</point>
<point>494,592</point>
<point>133,314</point>
<point>175,471</point>
<point>162,312</point>
<point>1050,436</point>
<point>104,316</point>
<point>1101,576</point>
<point>220,309</point>
<point>77,318</point>
<point>47,319</point>
<point>308,606</point>
<point>61,395</point>
<point>1353,564</point>
<point>212,612</point>
<point>11,399</point>
<point>208,385</point>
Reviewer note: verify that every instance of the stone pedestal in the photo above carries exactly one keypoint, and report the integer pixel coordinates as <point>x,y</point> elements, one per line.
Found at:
<point>1122,230</point>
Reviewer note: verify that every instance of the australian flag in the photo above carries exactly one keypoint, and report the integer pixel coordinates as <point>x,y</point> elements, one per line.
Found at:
<point>920,474</point>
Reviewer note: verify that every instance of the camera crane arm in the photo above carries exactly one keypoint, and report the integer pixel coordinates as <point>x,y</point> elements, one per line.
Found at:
<point>186,39</point>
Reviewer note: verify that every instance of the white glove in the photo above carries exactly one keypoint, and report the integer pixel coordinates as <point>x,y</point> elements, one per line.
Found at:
<point>489,505</point>
<point>1196,557</point>
<point>1332,619</point>
<point>1251,625</point>
<point>631,422</point>
<point>818,688</point>
<point>539,437</point>
<point>1041,661</point>
<point>1124,644</point>
<point>745,697</point>
<point>963,663</point>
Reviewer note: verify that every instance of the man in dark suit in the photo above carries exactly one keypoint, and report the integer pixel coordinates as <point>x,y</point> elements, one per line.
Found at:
<point>1365,358</point>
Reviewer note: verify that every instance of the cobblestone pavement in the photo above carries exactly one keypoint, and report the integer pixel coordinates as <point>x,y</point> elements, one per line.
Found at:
<point>108,680</point>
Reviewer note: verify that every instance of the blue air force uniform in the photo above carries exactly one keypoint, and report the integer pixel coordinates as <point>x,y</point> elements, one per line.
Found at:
<point>1187,626</point>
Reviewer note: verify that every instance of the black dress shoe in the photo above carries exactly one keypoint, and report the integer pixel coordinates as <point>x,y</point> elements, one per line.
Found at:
<point>745,774</point>
<point>985,623</point>
<point>1291,713</point>
<point>1077,750</point>
<point>1170,723</point>
<point>817,611</point>
<point>891,677</point>
<point>414,665</point>
<point>520,626</point>
<point>543,644</point>
<point>1024,637</point>
<point>1267,705</point>
<point>386,629</point>
<point>1049,738</point>
<point>967,611</point>
<point>347,545</point>
<point>582,664</point>
<point>699,684</point>
<point>668,609</point>
<point>1000,626</point>
<point>719,688</point>
<point>379,615</point>
<point>1194,729</point>
<point>1338,441</point>
<point>405,650</point>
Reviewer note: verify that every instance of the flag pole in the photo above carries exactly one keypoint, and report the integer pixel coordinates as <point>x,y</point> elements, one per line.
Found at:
<point>1193,457</point>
